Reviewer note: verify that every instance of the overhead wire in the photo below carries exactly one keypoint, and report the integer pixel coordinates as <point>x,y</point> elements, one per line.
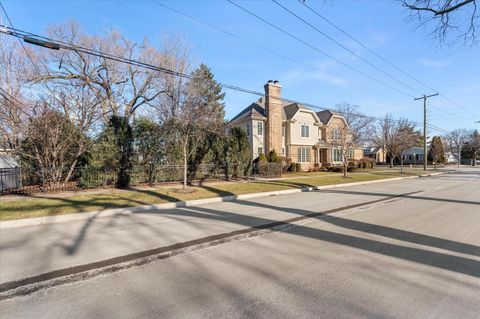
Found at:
<point>343,46</point>
<point>296,38</point>
<point>381,57</point>
<point>63,45</point>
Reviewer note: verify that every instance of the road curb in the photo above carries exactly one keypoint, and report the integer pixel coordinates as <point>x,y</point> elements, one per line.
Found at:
<point>8,224</point>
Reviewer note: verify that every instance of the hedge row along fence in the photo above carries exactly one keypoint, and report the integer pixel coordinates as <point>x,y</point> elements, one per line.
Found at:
<point>23,181</point>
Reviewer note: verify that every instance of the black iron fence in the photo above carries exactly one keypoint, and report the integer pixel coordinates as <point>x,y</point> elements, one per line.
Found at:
<point>27,181</point>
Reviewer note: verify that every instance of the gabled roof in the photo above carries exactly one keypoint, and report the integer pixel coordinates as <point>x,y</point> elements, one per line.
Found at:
<point>372,149</point>
<point>257,110</point>
<point>326,116</point>
<point>292,109</point>
<point>251,111</point>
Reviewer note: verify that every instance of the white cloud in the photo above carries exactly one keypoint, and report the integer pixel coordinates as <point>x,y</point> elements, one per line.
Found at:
<point>300,75</point>
<point>434,63</point>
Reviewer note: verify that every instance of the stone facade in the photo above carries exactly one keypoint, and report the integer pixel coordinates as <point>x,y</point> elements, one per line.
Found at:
<point>291,129</point>
<point>274,110</point>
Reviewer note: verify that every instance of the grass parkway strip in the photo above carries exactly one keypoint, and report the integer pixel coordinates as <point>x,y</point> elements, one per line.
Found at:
<point>57,277</point>
<point>57,204</point>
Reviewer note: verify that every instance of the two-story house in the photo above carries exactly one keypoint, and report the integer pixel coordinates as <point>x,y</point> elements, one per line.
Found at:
<point>292,130</point>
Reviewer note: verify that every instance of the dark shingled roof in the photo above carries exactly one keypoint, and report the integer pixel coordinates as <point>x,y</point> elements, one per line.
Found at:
<point>326,115</point>
<point>254,109</point>
<point>371,150</point>
<point>257,109</point>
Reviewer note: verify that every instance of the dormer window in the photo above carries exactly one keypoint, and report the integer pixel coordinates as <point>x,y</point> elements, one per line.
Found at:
<point>260,128</point>
<point>336,134</point>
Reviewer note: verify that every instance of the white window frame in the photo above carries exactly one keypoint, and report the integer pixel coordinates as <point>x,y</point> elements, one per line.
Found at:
<point>350,153</point>
<point>248,129</point>
<point>303,155</point>
<point>283,130</point>
<point>260,128</point>
<point>337,156</point>
<point>336,134</point>
<point>304,130</point>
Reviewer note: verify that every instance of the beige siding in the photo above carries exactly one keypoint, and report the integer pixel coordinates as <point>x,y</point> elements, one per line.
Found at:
<point>303,118</point>
<point>257,140</point>
<point>358,153</point>
<point>254,139</point>
<point>335,122</point>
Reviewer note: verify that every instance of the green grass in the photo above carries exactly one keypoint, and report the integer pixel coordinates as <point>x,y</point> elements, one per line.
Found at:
<point>50,205</point>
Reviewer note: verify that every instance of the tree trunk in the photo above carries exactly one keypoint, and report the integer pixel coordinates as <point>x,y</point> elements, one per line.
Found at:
<point>391,162</point>
<point>345,164</point>
<point>70,171</point>
<point>459,154</point>
<point>185,166</point>
<point>401,164</point>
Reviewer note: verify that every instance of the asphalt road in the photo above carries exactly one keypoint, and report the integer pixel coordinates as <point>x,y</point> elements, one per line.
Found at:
<point>415,256</point>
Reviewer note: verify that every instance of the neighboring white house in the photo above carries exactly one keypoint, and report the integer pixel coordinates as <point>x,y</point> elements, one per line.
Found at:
<point>451,157</point>
<point>7,160</point>
<point>414,155</point>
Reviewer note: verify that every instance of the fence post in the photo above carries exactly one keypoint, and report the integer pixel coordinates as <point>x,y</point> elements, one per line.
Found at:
<point>42,171</point>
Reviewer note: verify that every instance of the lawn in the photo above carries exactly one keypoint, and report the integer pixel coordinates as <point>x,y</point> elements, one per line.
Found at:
<point>36,206</point>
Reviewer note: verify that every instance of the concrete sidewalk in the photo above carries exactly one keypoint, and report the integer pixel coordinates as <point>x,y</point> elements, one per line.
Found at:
<point>32,250</point>
<point>138,209</point>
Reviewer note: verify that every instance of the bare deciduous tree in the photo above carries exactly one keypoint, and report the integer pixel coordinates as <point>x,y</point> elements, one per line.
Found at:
<point>456,139</point>
<point>122,88</point>
<point>407,137</point>
<point>51,145</point>
<point>395,136</point>
<point>458,17</point>
<point>189,113</point>
<point>344,140</point>
<point>15,109</point>
<point>359,123</point>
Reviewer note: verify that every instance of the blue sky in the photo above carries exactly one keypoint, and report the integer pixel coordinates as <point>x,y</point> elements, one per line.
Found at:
<point>383,26</point>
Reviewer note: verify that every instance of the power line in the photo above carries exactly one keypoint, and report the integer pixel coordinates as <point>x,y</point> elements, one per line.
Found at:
<point>231,34</point>
<point>62,45</point>
<point>362,45</point>
<point>380,57</point>
<point>343,46</point>
<point>21,43</point>
<point>317,49</point>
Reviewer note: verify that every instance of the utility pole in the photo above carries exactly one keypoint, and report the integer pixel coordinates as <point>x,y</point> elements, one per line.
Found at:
<point>425,97</point>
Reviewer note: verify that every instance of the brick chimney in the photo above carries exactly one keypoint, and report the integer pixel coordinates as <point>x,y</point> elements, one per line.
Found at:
<point>273,108</point>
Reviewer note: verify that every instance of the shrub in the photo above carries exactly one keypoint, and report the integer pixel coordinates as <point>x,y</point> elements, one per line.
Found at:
<point>336,169</point>
<point>352,169</point>
<point>261,158</point>
<point>293,167</point>
<point>366,163</point>
<point>299,167</point>
<point>286,163</point>
<point>272,157</point>
<point>351,164</point>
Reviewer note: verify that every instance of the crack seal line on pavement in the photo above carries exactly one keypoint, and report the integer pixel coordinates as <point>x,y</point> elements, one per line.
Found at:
<point>86,271</point>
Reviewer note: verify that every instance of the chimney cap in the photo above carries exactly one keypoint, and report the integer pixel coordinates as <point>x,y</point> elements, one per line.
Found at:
<point>269,81</point>
<point>275,82</point>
